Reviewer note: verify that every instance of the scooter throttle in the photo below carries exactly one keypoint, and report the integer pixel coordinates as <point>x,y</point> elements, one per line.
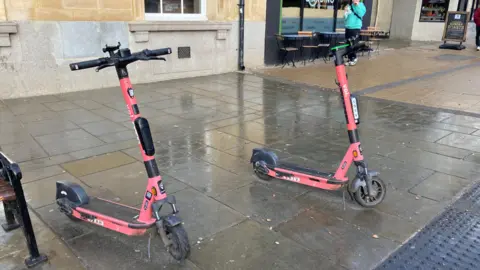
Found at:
<point>158,52</point>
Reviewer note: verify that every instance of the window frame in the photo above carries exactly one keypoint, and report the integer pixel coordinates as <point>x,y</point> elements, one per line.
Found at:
<point>202,16</point>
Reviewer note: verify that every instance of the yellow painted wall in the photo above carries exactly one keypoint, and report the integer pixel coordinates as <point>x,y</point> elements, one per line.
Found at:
<point>227,10</point>
<point>70,10</point>
<point>115,10</point>
<point>3,12</point>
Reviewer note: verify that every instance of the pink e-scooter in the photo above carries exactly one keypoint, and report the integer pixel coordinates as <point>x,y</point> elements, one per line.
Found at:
<point>74,202</point>
<point>366,188</point>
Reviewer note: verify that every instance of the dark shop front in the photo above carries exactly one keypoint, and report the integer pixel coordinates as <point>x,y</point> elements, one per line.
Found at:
<point>290,16</point>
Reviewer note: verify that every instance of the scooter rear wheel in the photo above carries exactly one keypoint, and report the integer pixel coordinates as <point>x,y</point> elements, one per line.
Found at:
<point>380,189</point>
<point>262,176</point>
<point>180,247</point>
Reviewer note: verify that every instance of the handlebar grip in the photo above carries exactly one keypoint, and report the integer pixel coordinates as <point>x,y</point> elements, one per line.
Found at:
<point>87,64</point>
<point>158,52</point>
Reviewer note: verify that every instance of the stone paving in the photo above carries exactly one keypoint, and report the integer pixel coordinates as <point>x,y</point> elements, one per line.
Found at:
<point>204,130</point>
<point>455,90</point>
<point>418,74</point>
<point>13,248</point>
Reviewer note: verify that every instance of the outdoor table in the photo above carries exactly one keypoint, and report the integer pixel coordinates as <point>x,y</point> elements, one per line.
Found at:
<point>294,37</point>
<point>296,40</point>
<point>333,37</point>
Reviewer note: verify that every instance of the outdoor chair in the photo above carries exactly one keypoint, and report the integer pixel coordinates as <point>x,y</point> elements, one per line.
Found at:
<point>374,41</point>
<point>286,50</point>
<point>308,44</point>
<point>324,44</point>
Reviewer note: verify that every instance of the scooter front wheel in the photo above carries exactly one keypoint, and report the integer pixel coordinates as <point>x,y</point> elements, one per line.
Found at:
<point>379,191</point>
<point>180,246</point>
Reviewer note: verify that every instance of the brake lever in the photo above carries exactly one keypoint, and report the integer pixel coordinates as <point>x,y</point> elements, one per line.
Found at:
<point>102,67</point>
<point>158,58</point>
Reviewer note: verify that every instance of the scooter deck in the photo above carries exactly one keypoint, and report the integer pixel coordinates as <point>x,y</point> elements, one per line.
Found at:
<point>112,209</point>
<point>299,169</point>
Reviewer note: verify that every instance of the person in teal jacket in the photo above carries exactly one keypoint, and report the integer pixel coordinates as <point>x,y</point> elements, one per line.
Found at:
<point>353,24</point>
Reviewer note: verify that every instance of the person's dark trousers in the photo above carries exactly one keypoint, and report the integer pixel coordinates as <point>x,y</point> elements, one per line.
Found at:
<point>355,32</point>
<point>477,39</point>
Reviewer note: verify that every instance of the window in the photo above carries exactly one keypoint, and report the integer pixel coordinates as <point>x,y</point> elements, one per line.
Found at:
<point>175,9</point>
<point>291,17</point>
<point>434,10</point>
<point>318,16</point>
<point>310,15</point>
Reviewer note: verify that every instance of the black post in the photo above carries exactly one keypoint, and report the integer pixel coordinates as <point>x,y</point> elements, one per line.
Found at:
<point>335,15</point>
<point>241,41</point>
<point>302,11</point>
<point>12,172</point>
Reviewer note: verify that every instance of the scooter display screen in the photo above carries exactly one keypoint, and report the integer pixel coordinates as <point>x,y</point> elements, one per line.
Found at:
<point>356,114</point>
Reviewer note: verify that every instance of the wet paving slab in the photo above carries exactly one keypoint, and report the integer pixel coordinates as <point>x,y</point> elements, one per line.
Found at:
<point>13,248</point>
<point>204,131</point>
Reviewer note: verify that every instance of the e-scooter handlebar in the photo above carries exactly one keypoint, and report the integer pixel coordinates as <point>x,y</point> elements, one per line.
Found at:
<point>88,64</point>
<point>103,62</point>
<point>351,45</point>
<point>354,44</point>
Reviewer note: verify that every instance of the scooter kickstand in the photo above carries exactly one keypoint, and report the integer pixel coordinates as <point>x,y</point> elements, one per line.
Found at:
<point>161,231</point>
<point>148,246</point>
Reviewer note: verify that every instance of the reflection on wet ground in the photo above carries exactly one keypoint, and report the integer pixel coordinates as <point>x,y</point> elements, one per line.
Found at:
<point>204,130</point>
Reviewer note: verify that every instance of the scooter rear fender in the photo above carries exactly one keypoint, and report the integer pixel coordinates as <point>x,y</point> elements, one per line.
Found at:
<point>268,157</point>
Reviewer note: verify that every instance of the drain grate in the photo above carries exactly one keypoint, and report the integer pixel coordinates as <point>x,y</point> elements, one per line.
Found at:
<point>450,241</point>
<point>453,57</point>
<point>183,52</point>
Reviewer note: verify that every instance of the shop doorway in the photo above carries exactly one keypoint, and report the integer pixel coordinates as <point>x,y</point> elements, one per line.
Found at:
<point>472,5</point>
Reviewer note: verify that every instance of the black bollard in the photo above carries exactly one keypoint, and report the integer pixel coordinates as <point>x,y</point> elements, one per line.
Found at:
<point>11,172</point>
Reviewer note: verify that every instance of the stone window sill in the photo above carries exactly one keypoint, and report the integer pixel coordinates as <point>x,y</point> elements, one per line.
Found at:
<point>141,30</point>
<point>7,28</point>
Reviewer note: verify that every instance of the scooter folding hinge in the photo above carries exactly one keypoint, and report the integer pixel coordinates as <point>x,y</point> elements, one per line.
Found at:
<point>334,181</point>
<point>157,206</point>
